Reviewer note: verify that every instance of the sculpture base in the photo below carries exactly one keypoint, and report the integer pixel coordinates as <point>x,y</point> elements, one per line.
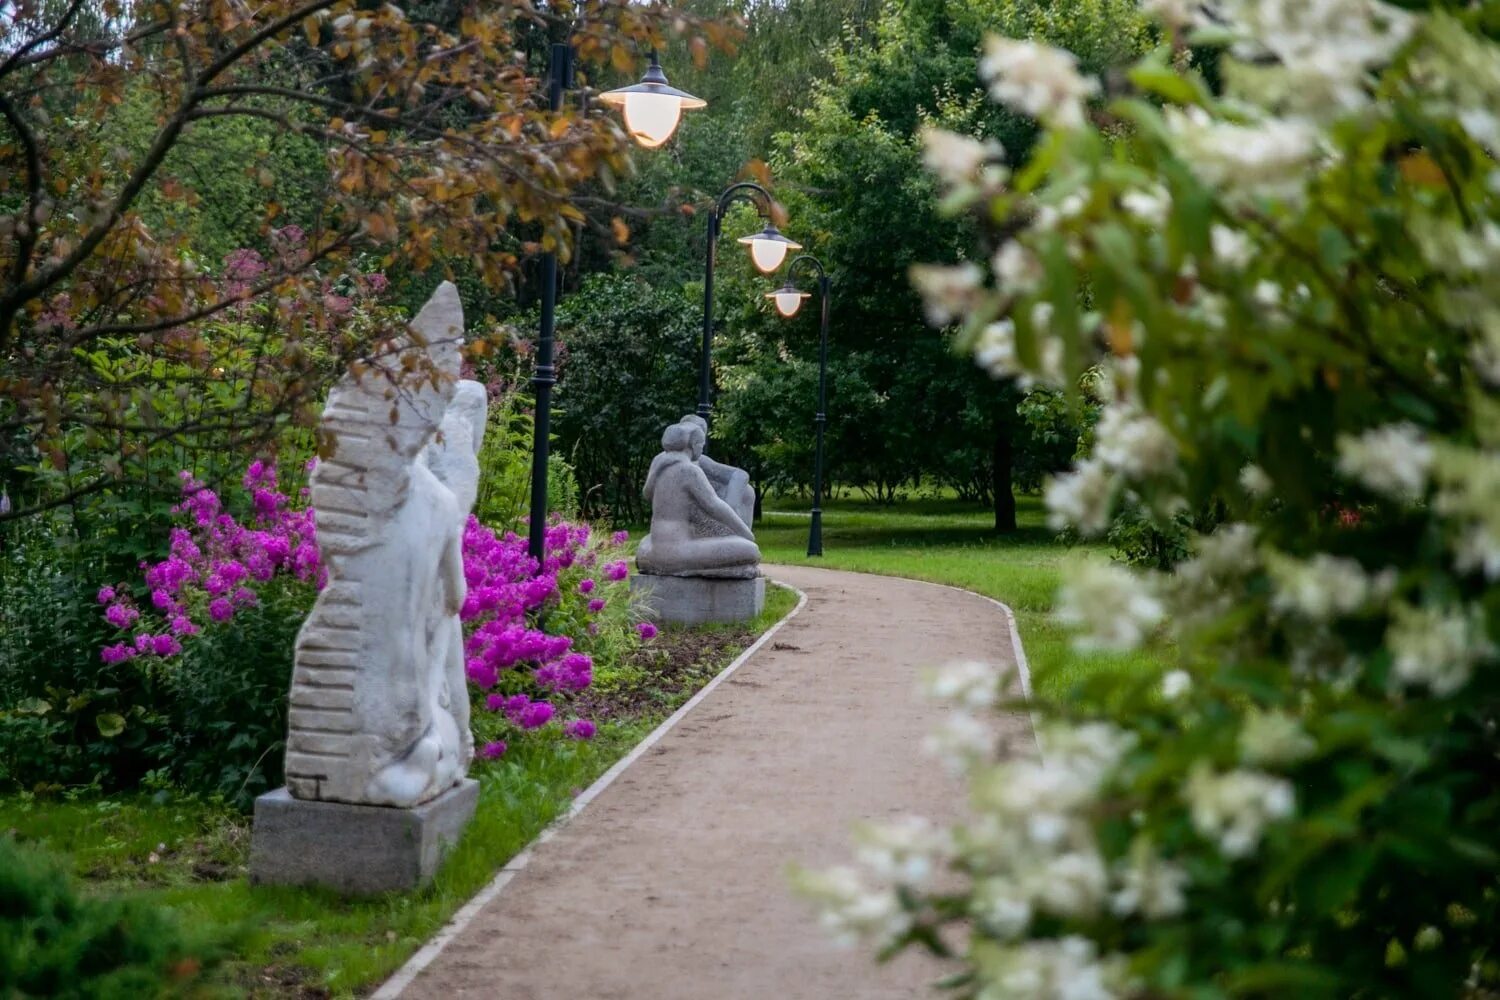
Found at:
<point>356,850</point>
<point>699,600</point>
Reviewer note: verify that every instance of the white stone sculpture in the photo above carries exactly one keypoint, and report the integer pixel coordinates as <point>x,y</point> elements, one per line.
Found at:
<point>731,484</point>
<point>379,707</point>
<point>693,531</point>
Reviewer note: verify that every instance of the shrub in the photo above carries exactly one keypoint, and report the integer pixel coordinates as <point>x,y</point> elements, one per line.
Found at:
<point>66,718</point>
<point>57,942</point>
<point>1293,302</point>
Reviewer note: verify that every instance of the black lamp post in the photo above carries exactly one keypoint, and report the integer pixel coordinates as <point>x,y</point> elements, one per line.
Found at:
<point>768,248</point>
<point>788,299</point>
<point>652,109</point>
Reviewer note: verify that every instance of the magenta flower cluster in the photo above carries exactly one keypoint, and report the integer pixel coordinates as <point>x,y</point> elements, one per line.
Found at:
<point>216,563</point>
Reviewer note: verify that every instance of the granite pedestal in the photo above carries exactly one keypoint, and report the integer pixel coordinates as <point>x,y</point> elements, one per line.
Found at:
<point>353,849</point>
<point>699,600</point>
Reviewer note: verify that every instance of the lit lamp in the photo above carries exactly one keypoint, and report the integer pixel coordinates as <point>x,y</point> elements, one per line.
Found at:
<point>768,248</point>
<point>788,299</point>
<point>653,107</point>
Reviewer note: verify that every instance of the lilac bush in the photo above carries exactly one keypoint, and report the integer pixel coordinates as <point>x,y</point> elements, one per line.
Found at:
<point>532,630</point>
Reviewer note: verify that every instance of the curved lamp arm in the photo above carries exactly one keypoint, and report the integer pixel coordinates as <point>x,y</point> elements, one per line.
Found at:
<point>808,258</point>
<point>748,191</point>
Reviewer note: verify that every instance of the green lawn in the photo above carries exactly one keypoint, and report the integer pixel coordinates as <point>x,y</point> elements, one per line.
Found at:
<point>946,541</point>
<point>190,857</point>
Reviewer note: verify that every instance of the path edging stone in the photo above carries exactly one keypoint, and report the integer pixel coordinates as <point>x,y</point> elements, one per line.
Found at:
<point>393,987</point>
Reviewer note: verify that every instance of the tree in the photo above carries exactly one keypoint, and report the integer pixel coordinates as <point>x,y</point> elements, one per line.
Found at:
<point>873,213</point>
<point>437,150</point>
<point>628,369</point>
<point>1290,304</point>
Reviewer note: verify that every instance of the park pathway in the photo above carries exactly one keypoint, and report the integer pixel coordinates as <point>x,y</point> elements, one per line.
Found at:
<point>671,885</point>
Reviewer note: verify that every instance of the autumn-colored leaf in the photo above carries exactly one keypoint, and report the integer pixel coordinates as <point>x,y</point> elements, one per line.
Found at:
<point>1422,170</point>
<point>757,170</point>
<point>1119,328</point>
<point>621,230</point>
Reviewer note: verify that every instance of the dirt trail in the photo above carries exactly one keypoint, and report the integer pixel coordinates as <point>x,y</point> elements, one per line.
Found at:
<point>671,885</point>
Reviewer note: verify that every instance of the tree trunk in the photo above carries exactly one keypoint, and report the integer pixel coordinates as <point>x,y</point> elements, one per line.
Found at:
<point>1005,497</point>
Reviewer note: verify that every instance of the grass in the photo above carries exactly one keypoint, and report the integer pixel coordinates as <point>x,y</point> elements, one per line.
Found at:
<point>190,856</point>
<point>947,541</point>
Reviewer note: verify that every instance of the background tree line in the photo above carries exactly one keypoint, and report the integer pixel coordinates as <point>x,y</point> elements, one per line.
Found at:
<point>831,97</point>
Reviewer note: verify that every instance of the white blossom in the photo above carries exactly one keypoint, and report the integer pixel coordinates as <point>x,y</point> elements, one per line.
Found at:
<point>957,159</point>
<point>1133,443</point>
<point>995,350</point>
<point>948,292</point>
<point>960,741</point>
<point>968,684</point>
<point>1148,885</point>
<point>1082,499</point>
<point>1394,460</point>
<point>1478,550</point>
<point>1268,157</point>
<point>1116,608</point>
<point>1324,587</point>
<point>903,852</point>
<point>1151,206</point>
<point>1051,969</point>
<point>1267,294</point>
<point>1254,481</point>
<point>1002,905</point>
<point>851,909</point>
<point>1468,482</point>
<point>1072,884</point>
<point>1176,684</point>
<point>1274,738</point>
<point>1320,52</point>
<point>1017,270</point>
<point>1234,808</point>
<point>1037,80</point>
<point>1231,248</point>
<point>1436,648</point>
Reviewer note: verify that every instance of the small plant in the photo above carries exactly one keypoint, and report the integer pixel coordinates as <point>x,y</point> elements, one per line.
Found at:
<point>57,942</point>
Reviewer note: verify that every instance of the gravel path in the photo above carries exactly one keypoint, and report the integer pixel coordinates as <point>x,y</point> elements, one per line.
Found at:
<point>671,885</point>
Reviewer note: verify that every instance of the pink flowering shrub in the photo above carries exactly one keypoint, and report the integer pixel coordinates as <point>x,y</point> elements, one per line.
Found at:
<point>532,632</point>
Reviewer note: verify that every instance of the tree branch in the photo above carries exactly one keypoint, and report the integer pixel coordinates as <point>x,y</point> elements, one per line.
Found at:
<point>15,57</point>
<point>28,236</point>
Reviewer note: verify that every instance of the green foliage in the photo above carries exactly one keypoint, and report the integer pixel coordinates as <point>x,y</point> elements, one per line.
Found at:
<point>226,696</point>
<point>57,942</point>
<point>628,369</point>
<point>235,167</point>
<point>504,498</point>
<point>61,709</point>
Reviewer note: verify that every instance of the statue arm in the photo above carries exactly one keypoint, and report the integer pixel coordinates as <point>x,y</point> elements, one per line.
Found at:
<point>704,496</point>
<point>451,571</point>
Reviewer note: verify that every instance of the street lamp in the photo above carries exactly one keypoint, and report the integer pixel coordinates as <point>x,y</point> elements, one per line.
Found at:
<point>768,248</point>
<point>652,109</point>
<point>788,300</point>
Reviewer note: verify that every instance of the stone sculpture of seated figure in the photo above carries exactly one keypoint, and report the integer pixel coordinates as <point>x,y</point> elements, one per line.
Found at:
<point>732,484</point>
<point>693,531</point>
